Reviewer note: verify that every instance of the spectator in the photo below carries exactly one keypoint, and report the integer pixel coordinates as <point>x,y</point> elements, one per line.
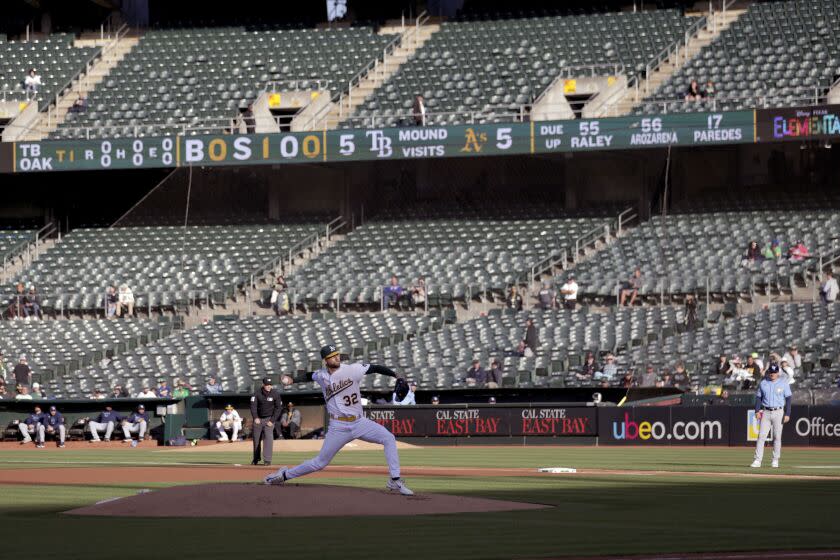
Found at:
<point>772,251</point>
<point>229,421</point>
<point>721,368</point>
<point>212,388</point>
<point>98,394</point>
<point>799,252</point>
<point>435,400</point>
<point>22,372</point>
<point>829,289</point>
<point>474,372</point>
<point>494,375</point>
<point>739,376</point>
<point>752,254</point>
<point>609,371</point>
<point>588,369</point>
<point>106,420</point>
<point>3,369</point>
<point>22,393</point>
<point>682,380</point>
<point>631,286</point>
<point>628,381</point>
<point>280,296</point>
<point>146,393</point>
<point>690,312</point>
<point>111,302</point>
<point>32,304</point>
<point>32,82</point>
<point>136,423</point>
<point>38,392</point>
<point>667,379</point>
<point>163,390</point>
<point>418,110</point>
<point>514,300</point>
<point>569,291</point>
<point>33,426</point>
<point>648,377</point>
<point>79,106</point>
<point>709,91</point>
<point>793,357</point>
<point>249,119</point>
<point>491,400</point>
<point>522,350</point>
<point>18,300</point>
<point>546,296</point>
<point>787,372</point>
<point>181,390</point>
<point>418,292</point>
<point>393,293</point>
<point>118,393</point>
<point>759,362</point>
<point>125,301</point>
<point>54,425</point>
<point>532,338</point>
<point>404,393</point>
<point>693,92</point>
<point>3,393</point>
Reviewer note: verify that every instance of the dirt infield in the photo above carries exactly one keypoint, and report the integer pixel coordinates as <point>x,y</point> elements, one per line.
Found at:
<point>289,500</point>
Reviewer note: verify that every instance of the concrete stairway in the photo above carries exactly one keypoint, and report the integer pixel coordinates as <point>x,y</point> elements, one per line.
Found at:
<point>412,39</point>
<point>716,25</point>
<point>113,53</point>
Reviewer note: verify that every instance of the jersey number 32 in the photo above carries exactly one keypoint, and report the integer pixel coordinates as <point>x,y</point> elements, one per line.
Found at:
<point>351,399</point>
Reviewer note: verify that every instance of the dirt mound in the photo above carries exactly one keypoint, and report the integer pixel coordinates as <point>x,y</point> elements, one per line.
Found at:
<point>297,500</point>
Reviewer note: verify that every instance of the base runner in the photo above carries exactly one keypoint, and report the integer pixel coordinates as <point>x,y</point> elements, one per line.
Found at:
<point>340,385</point>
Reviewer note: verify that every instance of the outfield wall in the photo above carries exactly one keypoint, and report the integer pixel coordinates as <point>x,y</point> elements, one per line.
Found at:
<point>529,423</point>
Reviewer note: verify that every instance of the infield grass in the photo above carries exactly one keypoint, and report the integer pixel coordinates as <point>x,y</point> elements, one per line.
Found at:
<point>591,515</point>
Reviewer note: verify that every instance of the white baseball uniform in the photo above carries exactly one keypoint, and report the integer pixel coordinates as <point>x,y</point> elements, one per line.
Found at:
<point>347,422</point>
<point>235,421</point>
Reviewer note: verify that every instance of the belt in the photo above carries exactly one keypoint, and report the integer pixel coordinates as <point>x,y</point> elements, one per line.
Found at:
<point>344,418</point>
<point>771,409</point>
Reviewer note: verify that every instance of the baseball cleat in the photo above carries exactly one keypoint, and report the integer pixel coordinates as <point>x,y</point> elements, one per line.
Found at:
<point>755,465</point>
<point>399,486</point>
<point>277,477</point>
<point>775,464</point>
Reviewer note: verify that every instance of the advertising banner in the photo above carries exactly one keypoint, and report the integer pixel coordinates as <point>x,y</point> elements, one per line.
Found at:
<point>744,427</point>
<point>663,426</point>
<point>486,421</point>
<point>797,123</point>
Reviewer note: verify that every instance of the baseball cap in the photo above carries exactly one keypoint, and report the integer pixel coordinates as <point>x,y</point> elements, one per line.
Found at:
<point>141,407</point>
<point>773,369</point>
<point>266,381</point>
<point>229,407</point>
<point>754,355</point>
<point>53,408</point>
<point>328,351</point>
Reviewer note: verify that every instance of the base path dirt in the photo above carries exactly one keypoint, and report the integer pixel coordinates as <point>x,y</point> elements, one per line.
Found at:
<point>289,500</point>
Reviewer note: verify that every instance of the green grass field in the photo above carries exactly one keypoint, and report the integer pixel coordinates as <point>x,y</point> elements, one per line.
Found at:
<point>593,515</point>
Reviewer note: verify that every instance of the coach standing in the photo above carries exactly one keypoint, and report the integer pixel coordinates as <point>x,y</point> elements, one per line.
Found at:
<point>266,407</point>
<point>772,408</point>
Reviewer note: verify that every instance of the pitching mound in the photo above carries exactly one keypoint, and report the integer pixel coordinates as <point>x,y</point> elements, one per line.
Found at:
<point>296,500</point>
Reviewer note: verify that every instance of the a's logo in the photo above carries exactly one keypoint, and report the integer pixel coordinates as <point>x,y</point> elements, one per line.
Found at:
<point>332,348</point>
<point>753,426</point>
<point>380,143</point>
<point>473,142</point>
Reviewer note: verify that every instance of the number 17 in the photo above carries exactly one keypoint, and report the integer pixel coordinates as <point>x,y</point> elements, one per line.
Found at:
<point>714,121</point>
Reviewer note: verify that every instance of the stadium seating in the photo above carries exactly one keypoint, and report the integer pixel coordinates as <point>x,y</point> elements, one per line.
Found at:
<point>163,266</point>
<point>200,78</point>
<point>672,262</point>
<point>776,54</point>
<point>439,359</point>
<point>55,59</point>
<point>240,352</point>
<point>458,256</point>
<point>54,348</point>
<point>494,67</point>
<point>13,241</point>
<point>814,327</point>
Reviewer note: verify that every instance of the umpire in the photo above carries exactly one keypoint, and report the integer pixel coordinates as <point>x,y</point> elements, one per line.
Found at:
<point>266,407</point>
